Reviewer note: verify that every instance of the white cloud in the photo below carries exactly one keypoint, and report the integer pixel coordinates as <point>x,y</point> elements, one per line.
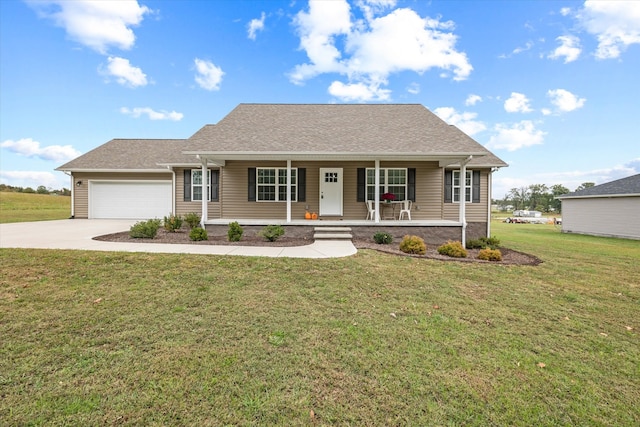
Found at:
<point>465,121</point>
<point>255,25</point>
<point>27,147</point>
<point>514,137</point>
<point>125,73</point>
<point>358,92</point>
<point>565,11</point>
<point>94,23</point>
<point>208,75</point>
<point>369,50</point>
<point>569,49</point>
<point>413,88</point>
<point>152,114</point>
<point>616,25</point>
<point>34,179</point>
<point>564,100</point>
<point>517,103</point>
<point>472,99</point>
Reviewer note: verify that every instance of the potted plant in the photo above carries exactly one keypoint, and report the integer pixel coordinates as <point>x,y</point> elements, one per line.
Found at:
<point>388,197</point>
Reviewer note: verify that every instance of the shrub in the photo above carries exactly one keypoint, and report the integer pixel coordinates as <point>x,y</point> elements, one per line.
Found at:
<point>272,232</point>
<point>490,254</point>
<point>198,233</point>
<point>483,242</point>
<point>235,232</point>
<point>453,249</point>
<point>145,229</point>
<point>492,242</point>
<point>413,245</point>
<point>172,222</point>
<point>382,238</point>
<point>192,219</point>
<point>476,244</point>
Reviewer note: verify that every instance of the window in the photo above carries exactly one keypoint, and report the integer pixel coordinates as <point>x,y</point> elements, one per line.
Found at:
<point>454,186</point>
<point>457,186</point>
<point>391,181</point>
<point>196,185</point>
<point>271,184</point>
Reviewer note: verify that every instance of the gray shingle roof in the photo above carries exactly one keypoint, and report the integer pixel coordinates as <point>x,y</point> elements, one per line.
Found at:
<point>337,128</point>
<point>624,186</point>
<point>132,154</point>
<point>255,130</point>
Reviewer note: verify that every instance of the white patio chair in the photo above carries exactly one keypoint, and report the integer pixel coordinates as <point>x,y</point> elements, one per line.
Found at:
<point>371,212</point>
<point>406,209</point>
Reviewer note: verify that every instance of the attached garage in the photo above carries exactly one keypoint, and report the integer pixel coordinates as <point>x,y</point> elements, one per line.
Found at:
<point>129,199</point>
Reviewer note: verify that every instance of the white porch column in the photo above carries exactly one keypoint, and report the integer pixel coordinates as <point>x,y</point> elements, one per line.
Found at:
<point>288,191</point>
<point>376,192</point>
<point>205,193</point>
<point>463,199</point>
<point>489,192</point>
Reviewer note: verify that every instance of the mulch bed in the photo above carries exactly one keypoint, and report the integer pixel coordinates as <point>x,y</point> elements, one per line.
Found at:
<point>509,256</point>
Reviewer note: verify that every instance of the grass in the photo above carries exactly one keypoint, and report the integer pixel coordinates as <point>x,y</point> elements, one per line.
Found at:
<point>20,207</point>
<point>90,338</point>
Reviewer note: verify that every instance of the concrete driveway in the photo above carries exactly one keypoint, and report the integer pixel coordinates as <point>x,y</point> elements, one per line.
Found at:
<point>78,233</point>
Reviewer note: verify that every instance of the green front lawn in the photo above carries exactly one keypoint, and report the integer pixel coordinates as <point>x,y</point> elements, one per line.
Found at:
<point>90,338</point>
<point>23,207</point>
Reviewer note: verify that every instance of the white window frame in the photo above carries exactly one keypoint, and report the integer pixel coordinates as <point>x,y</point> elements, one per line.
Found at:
<point>198,172</point>
<point>279,184</point>
<point>384,182</point>
<point>455,186</point>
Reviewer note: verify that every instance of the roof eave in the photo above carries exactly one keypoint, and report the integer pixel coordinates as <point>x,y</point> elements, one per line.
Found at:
<point>599,196</point>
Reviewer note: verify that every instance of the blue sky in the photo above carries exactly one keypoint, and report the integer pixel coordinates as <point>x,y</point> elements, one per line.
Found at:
<point>551,87</point>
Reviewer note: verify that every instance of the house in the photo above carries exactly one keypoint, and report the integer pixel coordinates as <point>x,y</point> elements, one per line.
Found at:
<point>271,163</point>
<point>609,209</point>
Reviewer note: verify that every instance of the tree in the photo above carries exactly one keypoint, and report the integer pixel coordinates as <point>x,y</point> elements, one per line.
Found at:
<point>519,197</point>
<point>585,185</point>
<point>42,190</point>
<point>557,190</point>
<point>539,197</point>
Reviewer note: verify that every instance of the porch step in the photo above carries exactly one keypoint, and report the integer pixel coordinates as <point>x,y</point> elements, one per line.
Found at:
<point>332,233</point>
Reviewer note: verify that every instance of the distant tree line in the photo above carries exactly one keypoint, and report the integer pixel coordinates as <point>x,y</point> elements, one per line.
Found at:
<point>40,190</point>
<point>537,197</point>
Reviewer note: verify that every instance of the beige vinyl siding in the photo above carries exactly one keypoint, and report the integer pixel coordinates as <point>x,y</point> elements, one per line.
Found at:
<point>81,193</point>
<point>183,207</point>
<point>603,216</point>
<point>475,212</point>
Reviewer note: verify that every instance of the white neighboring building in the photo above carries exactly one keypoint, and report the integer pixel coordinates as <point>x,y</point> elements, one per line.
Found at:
<point>611,209</point>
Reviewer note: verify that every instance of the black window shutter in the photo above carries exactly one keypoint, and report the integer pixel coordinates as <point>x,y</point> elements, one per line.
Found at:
<point>411,180</point>
<point>187,185</point>
<point>362,184</point>
<point>302,185</point>
<point>215,191</point>
<point>448,186</point>
<point>251,188</point>
<point>475,189</point>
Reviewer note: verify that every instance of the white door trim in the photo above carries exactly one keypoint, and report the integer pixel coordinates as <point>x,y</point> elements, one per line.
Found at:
<point>331,191</point>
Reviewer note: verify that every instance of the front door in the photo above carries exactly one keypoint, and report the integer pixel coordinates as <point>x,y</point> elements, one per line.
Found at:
<point>331,191</point>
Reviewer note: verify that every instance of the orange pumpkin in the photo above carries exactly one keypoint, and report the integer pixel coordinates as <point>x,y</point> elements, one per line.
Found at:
<point>314,216</point>
<point>307,215</point>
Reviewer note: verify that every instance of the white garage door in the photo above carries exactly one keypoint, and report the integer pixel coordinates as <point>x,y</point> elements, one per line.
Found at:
<point>129,199</point>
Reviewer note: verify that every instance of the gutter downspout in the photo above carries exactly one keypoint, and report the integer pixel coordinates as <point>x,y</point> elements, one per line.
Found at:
<point>489,191</point>
<point>73,194</point>
<point>463,199</point>
<point>376,192</point>
<point>288,191</point>
<point>205,193</point>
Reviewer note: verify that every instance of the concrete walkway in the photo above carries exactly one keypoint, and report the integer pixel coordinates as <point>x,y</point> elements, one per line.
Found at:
<point>78,234</point>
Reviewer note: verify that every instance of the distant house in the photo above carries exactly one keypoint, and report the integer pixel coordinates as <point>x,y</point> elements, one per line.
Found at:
<point>271,163</point>
<point>610,209</point>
